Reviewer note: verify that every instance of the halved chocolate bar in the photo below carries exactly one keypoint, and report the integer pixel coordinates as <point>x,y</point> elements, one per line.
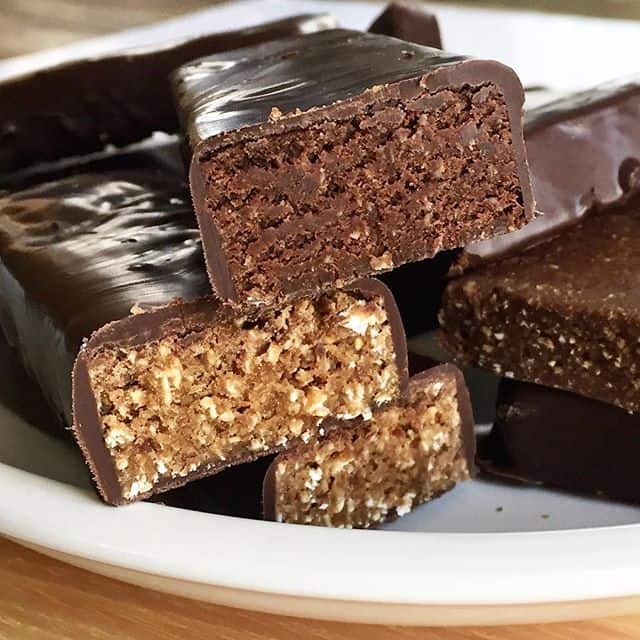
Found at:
<point>371,472</point>
<point>321,159</point>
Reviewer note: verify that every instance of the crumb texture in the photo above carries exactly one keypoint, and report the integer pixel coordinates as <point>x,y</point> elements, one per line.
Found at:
<point>377,471</point>
<point>564,314</point>
<point>238,390</point>
<point>344,198</point>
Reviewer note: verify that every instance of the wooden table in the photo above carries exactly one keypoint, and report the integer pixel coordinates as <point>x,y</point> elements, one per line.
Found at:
<point>44,598</point>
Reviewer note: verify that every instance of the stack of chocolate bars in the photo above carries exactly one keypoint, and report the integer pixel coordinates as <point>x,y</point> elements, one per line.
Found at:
<point>555,307</point>
<point>183,327</point>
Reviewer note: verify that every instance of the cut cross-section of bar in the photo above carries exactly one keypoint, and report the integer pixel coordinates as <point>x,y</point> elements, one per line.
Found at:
<point>372,472</point>
<point>185,391</point>
<point>322,159</point>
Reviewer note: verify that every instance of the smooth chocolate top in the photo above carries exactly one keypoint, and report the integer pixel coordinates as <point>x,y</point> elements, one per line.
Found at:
<point>584,152</point>
<point>563,440</point>
<point>242,89</point>
<point>408,21</point>
<point>81,106</point>
<point>82,251</point>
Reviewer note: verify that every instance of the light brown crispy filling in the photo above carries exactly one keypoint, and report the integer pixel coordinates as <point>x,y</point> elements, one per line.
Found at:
<point>233,391</point>
<point>380,470</point>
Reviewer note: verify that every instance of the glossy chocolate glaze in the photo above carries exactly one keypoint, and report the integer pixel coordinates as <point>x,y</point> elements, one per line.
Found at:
<point>408,21</point>
<point>584,152</point>
<point>82,251</point>
<point>236,91</point>
<point>81,106</point>
<point>563,440</point>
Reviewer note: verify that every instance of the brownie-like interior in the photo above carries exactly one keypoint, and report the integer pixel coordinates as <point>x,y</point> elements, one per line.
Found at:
<point>359,477</point>
<point>563,314</point>
<point>407,174</point>
<point>194,403</point>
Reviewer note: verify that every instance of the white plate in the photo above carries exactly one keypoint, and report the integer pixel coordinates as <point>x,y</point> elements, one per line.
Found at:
<point>460,560</point>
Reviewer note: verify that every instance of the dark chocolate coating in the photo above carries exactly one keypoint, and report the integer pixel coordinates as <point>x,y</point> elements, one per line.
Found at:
<point>20,394</point>
<point>236,491</point>
<point>81,106</point>
<point>584,152</point>
<point>418,288</point>
<point>423,370</point>
<point>563,440</point>
<point>410,22</point>
<point>227,98</point>
<point>80,252</point>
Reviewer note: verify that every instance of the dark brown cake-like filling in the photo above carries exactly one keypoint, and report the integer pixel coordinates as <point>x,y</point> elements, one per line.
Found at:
<point>399,181</point>
<point>182,405</point>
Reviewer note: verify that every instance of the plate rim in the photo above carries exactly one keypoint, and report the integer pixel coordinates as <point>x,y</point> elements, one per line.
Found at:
<point>520,567</point>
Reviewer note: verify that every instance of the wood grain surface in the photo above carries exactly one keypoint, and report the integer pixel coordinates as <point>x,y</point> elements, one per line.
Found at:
<point>42,598</point>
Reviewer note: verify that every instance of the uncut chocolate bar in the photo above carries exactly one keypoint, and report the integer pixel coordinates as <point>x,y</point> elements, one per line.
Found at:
<point>562,440</point>
<point>183,386</point>
<point>327,157</point>
<point>565,313</point>
<point>81,106</point>
<point>408,21</point>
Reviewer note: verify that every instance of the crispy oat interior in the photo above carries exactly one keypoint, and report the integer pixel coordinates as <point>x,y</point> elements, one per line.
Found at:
<point>195,403</point>
<point>360,477</point>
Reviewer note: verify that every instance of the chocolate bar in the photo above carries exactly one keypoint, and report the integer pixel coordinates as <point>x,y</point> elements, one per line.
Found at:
<point>408,21</point>
<point>562,440</point>
<point>324,158</point>
<point>82,106</point>
<point>21,396</point>
<point>562,314</point>
<point>379,470</point>
<point>584,153</point>
<point>184,386</point>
